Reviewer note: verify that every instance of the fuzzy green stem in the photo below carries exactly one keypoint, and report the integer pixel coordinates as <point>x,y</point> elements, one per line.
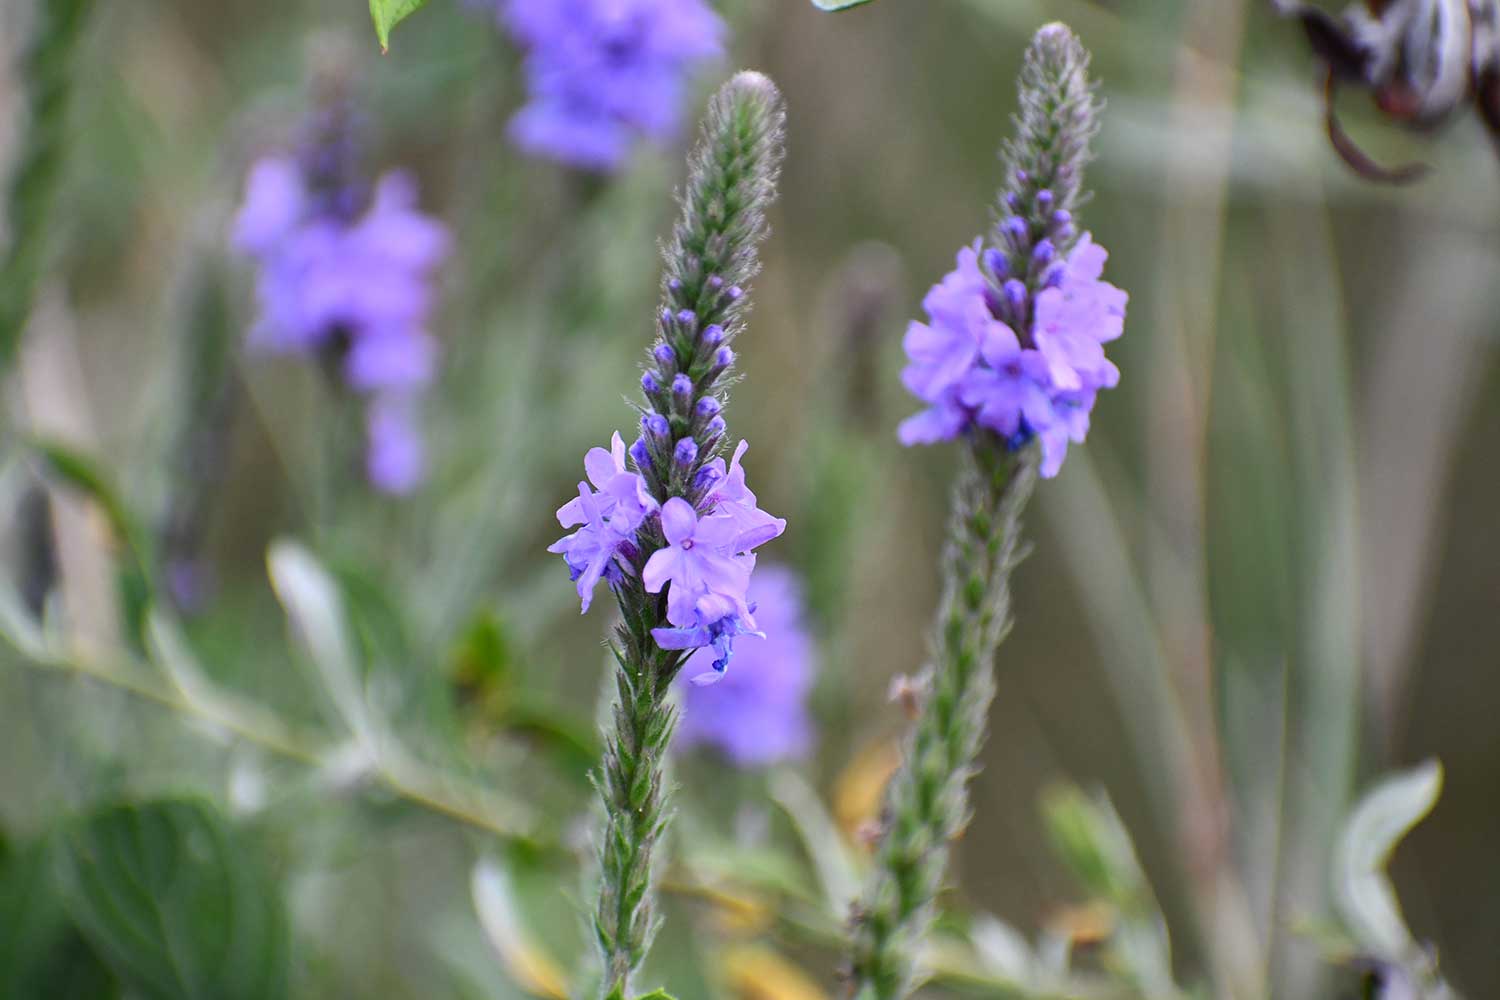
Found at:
<point>926,802</point>
<point>46,73</point>
<point>712,255</point>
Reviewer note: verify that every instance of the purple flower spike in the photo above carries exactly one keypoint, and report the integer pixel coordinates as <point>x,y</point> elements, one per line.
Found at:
<point>347,271</point>
<point>602,73</point>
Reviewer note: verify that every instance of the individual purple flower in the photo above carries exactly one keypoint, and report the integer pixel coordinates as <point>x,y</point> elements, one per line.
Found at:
<point>733,499</point>
<point>607,521</point>
<point>758,714</point>
<point>1076,318</point>
<point>702,567</point>
<point>1021,364</point>
<point>602,73</point>
<point>352,286</point>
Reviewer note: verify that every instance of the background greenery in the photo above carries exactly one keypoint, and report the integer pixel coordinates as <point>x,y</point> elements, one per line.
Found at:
<point>1282,529</point>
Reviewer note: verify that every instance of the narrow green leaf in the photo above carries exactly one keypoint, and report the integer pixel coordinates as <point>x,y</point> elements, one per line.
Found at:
<point>175,905</point>
<point>656,995</point>
<point>315,607</point>
<point>1364,894</point>
<point>527,963</point>
<point>137,570</point>
<point>387,14</point>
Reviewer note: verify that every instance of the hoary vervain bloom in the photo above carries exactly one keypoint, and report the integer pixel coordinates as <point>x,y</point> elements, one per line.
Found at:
<point>1010,361</point>
<point>667,523</point>
<point>758,715</point>
<point>346,276</point>
<point>603,73</point>
<point>1015,336</point>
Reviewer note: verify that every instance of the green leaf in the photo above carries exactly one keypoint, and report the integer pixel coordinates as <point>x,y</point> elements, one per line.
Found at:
<point>1362,890</point>
<point>836,5</point>
<point>388,13</point>
<point>315,606</point>
<point>42,954</point>
<point>174,903</point>
<point>527,963</point>
<point>657,994</point>
<point>137,572</point>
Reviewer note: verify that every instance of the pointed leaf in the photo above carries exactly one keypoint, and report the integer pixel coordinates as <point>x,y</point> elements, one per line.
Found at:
<point>316,609</point>
<point>387,14</point>
<point>174,904</point>
<point>1364,894</point>
<point>528,965</point>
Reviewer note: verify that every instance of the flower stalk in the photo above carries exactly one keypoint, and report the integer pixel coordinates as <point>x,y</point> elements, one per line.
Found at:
<point>673,525</point>
<point>47,75</point>
<point>1010,364</point>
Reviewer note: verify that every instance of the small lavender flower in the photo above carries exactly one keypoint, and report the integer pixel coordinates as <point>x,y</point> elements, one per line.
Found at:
<point>758,714</point>
<point>672,527</point>
<point>1011,353</point>
<point>602,73</point>
<point>348,279</point>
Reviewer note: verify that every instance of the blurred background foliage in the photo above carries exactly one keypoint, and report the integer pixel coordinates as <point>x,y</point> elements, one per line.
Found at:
<point>1276,561</point>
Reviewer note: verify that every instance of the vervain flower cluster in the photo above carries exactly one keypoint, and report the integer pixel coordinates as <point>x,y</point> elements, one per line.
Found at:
<point>1015,338</point>
<point>602,73</point>
<point>345,276</point>
<point>694,522</point>
<point>758,715</point>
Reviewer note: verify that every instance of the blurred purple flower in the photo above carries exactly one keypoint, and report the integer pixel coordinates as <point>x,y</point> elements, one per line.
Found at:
<point>603,72</point>
<point>395,460</point>
<point>357,287</point>
<point>758,714</point>
<point>994,355</point>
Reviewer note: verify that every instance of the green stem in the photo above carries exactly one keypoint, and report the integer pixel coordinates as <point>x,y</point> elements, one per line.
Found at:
<point>45,72</point>
<point>927,800</point>
<point>633,787</point>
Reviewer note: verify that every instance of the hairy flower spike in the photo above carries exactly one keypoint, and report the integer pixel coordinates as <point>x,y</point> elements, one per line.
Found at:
<point>1057,120</point>
<point>1012,355</point>
<point>674,532</point>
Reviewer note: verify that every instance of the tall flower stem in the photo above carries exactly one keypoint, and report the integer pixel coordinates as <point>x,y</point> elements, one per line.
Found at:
<point>711,256</point>
<point>927,801</point>
<point>46,73</point>
<point>1022,321</point>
